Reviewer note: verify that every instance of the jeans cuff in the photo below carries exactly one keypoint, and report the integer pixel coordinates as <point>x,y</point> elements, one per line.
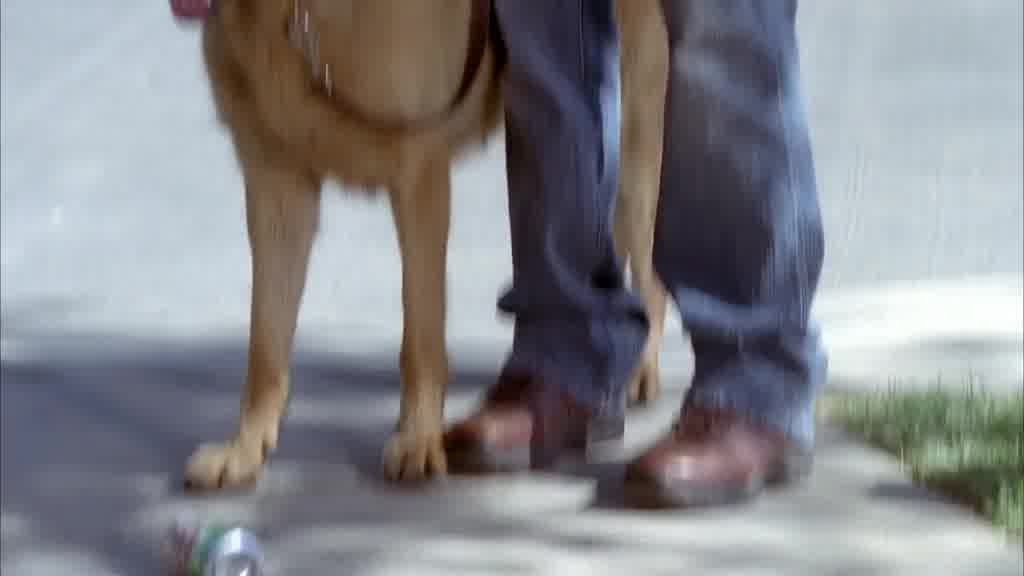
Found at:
<point>767,396</point>
<point>590,361</point>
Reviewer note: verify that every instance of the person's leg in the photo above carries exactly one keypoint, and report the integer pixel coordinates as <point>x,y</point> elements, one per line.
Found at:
<point>576,324</point>
<point>578,330</point>
<point>739,244</point>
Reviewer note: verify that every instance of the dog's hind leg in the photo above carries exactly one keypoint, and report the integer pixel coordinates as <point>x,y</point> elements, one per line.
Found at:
<point>282,210</point>
<point>420,204</point>
<point>644,69</point>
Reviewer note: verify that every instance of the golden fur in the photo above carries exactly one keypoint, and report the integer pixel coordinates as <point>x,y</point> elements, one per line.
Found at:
<point>396,59</point>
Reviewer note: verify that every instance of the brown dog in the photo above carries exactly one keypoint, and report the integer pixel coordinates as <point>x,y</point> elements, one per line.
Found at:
<point>385,93</point>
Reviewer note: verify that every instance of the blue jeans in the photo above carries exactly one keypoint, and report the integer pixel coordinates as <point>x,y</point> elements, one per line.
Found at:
<point>738,239</point>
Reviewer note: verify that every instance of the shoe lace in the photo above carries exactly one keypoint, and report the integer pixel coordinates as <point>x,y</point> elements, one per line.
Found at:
<point>509,389</point>
<point>698,423</point>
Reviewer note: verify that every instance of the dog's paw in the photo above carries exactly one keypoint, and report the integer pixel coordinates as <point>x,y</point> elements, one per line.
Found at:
<point>232,464</point>
<point>411,457</point>
<point>646,384</point>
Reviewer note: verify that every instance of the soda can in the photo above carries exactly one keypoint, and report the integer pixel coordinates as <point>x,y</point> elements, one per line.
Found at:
<point>216,550</point>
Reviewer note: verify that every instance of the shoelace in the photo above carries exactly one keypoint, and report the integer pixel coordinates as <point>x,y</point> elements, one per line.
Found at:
<point>509,389</point>
<point>699,423</point>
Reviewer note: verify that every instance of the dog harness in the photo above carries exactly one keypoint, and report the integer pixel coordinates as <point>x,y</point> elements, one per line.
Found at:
<point>305,38</point>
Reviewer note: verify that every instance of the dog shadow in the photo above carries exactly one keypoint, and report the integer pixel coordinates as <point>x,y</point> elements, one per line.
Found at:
<point>98,426</point>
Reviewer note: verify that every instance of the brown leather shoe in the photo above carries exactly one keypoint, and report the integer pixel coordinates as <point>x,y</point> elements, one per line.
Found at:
<point>521,424</point>
<point>711,458</point>
<point>495,438</point>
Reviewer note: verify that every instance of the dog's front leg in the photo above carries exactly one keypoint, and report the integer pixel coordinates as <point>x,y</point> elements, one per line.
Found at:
<point>420,204</point>
<point>282,209</point>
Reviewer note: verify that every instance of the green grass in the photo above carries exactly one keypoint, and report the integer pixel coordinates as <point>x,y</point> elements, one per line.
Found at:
<point>968,445</point>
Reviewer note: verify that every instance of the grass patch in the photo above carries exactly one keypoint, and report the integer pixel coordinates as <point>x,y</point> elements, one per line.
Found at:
<point>966,444</point>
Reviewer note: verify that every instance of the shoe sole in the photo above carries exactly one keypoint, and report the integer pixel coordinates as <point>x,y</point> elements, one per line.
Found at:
<point>649,495</point>
<point>484,462</point>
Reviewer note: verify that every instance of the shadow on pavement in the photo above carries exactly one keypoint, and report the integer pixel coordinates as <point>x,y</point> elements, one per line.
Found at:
<point>96,428</point>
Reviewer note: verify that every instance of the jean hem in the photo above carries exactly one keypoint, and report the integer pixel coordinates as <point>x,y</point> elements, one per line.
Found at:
<point>595,375</point>
<point>775,399</point>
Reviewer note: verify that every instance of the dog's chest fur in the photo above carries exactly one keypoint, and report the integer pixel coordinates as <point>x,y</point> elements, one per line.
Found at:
<point>391,58</point>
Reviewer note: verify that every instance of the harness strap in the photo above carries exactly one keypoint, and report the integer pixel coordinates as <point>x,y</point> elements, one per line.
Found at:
<point>479,34</point>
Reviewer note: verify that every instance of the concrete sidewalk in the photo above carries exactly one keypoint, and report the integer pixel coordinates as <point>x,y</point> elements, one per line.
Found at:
<point>125,299</point>
<point>96,426</point>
